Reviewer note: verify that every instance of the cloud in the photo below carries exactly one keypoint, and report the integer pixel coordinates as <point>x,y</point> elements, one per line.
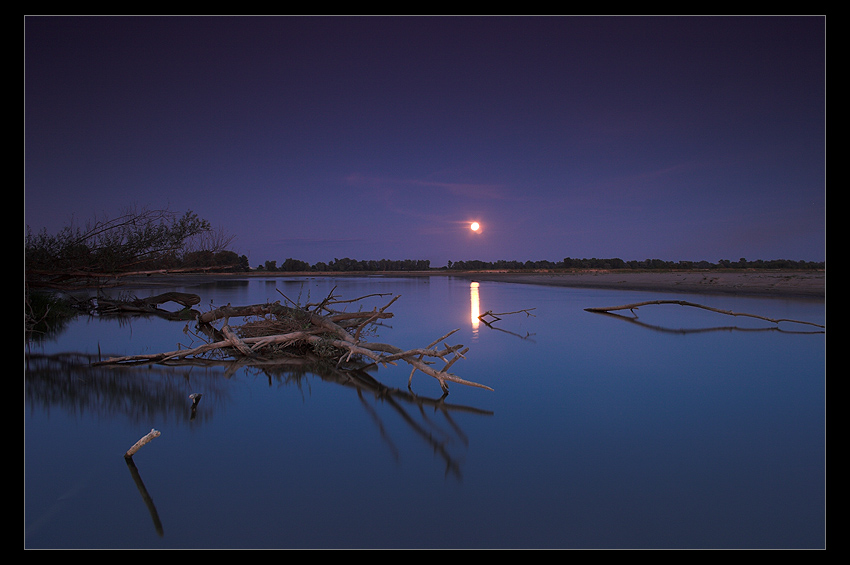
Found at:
<point>473,190</point>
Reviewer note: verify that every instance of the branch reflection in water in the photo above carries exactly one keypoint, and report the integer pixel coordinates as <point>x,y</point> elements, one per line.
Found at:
<point>296,369</point>
<point>162,392</point>
<point>146,497</point>
<point>69,381</point>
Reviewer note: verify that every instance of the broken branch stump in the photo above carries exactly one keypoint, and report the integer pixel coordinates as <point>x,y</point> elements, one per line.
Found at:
<point>138,445</point>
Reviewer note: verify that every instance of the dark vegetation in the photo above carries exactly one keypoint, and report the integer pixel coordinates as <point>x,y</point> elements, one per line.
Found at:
<point>133,242</point>
<point>347,265</point>
<point>102,251</point>
<point>351,265</point>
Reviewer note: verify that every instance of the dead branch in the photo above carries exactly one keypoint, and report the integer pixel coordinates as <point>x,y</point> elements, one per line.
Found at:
<point>497,317</point>
<point>331,299</point>
<point>277,329</point>
<point>493,318</point>
<point>634,306</point>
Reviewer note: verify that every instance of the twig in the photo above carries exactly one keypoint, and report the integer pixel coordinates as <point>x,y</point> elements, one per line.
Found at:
<point>330,300</point>
<point>496,316</point>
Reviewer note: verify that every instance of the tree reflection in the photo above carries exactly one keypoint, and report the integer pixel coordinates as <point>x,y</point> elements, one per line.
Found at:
<point>169,392</point>
<point>159,393</point>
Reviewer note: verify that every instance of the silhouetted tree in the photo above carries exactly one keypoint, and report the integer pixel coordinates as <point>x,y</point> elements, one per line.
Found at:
<point>131,242</point>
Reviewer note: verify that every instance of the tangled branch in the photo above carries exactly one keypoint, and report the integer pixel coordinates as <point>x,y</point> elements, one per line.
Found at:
<point>278,330</point>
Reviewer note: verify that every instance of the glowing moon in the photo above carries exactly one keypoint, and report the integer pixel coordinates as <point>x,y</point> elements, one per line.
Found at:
<point>474,226</point>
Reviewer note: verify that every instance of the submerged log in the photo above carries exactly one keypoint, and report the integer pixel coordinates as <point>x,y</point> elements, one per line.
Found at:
<point>150,305</point>
<point>185,299</point>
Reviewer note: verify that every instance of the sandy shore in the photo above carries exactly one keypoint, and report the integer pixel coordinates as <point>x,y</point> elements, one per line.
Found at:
<point>810,284</point>
<point>765,283</point>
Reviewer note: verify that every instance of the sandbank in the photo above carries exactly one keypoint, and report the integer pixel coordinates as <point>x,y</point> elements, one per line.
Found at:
<point>801,284</point>
<point>810,284</point>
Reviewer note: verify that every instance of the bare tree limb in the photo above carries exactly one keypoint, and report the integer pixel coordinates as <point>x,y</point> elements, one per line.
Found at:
<point>634,306</point>
<point>497,317</point>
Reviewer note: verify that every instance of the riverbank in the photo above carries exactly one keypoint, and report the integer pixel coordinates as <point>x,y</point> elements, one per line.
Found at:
<point>810,284</point>
<point>764,283</point>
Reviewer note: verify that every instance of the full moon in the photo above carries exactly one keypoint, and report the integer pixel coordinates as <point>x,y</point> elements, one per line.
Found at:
<point>474,226</point>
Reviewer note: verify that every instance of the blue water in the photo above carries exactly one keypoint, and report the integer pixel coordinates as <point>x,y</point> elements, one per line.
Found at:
<point>679,429</point>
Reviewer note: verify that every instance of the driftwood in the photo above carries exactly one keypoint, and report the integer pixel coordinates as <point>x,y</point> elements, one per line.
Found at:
<point>138,445</point>
<point>634,306</point>
<point>150,305</point>
<point>277,329</point>
<point>185,299</point>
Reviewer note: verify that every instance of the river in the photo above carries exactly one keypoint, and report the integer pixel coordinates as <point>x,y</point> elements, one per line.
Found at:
<point>677,428</point>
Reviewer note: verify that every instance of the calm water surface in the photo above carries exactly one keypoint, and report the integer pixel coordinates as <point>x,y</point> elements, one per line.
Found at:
<point>679,429</point>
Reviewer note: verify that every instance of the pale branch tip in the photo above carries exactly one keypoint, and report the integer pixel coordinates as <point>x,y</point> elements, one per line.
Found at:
<point>144,440</point>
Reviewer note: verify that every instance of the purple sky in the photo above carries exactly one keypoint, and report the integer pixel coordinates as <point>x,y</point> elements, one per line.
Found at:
<point>382,138</point>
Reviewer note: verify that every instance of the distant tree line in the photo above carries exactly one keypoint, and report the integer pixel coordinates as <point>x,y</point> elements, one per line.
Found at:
<point>649,264</point>
<point>646,264</point>
<point>224,260</point>
<point>351,265</point>
<point>345,264</point>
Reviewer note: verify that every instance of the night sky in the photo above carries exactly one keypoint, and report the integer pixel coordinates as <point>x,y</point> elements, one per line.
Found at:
<point>677,138</point>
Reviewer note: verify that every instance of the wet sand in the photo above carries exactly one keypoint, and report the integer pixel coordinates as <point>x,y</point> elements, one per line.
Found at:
<point>764,283</point>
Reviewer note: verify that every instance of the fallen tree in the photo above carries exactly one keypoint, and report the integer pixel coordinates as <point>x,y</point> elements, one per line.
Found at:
<point>274,330</point>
